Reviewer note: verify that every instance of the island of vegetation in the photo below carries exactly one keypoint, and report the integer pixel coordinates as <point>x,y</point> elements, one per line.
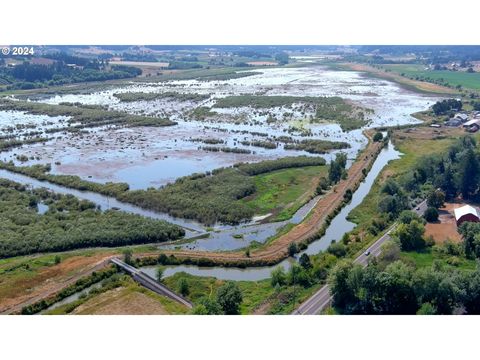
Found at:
<point>83,116</point>
<point>143,96</point>
<point>332,109</point>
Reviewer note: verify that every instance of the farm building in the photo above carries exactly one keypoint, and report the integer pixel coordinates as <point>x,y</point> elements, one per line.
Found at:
<point>462,117</point>
<point>453,122</point>
<point>472,125</point>
<point>466,213</point>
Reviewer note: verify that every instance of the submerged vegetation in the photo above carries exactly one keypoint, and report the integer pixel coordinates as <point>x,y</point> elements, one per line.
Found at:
<point>8,144</point>
<point>143,96</point>
<point>332,109</point>
<point>83,116</point>
<point>317,146</point>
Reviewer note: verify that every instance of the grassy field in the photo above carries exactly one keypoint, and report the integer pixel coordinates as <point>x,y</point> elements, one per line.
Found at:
<point>427,258</point>
<point>412,149</point>
<point>254,292</point>
<point>453,78</point>
<point>378,72</point>
<point>128,298</point>
<point>283,192</point>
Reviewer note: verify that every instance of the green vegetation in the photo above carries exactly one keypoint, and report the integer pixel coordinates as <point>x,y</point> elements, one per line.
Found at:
<point>471,236</point>
<point>317,146</point>
<point>410,235</point>
<point>229,297</point>
<point>333,109</point>
<point>68,224</point>
<point>79,285</point>
<point>378,136</point>
<point>126,286</point>
<point>228,76</point>
<point>213,197</point>
<point>59,69</point>
<point>446,106</point>
<point>447,78</point>
<point>260,143</point>
<point>207,294</point>
<point>82,116</point>
<point>423,278</point>
<point>210,141</point>
<point>201,113</point>
<point>431,214</point>
<point>266,166</point>
<point>225,149</point>
<point>40,172</point>
<point>207,197</point>
<point>399,289</point>
<point>337,168</point>
<point>143,96</point>
<point>282,192</point>
<point>9,144</point>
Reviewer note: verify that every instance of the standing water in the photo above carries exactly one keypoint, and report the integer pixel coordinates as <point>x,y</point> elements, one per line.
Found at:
<point>337,228</point>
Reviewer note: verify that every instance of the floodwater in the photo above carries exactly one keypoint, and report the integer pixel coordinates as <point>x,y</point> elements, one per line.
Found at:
<point>224,239</point>
<point>337,228</point>
<point>192,228</point>
<point>145,157</point>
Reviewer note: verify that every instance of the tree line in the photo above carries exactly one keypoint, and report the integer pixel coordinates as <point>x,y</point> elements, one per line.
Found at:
<point>69,223</point>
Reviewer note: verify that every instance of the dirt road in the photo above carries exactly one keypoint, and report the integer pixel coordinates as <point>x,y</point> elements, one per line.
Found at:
<point>277,250</point>
<point>52,280</point>
<point>272,253</point>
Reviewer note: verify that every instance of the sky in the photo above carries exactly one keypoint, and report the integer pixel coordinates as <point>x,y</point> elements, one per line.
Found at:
<point>240,22</point>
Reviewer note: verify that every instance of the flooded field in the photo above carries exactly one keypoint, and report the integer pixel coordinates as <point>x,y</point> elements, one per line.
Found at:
<point>153,156</point>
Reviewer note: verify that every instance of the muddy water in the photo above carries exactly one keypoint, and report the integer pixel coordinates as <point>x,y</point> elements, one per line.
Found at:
<point>339,226</point>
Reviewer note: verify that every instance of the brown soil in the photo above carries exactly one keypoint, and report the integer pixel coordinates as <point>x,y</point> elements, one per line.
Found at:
<point>262,309</point>
<point>428,133</point>
<point>121,301</point>
<point>420,85</point>
<point>51,280</point>
<point>446,227</point>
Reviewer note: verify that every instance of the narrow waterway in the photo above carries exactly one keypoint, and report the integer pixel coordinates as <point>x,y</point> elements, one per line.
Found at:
<point>193,228</point>
<point>338,227</point>
<point>228,239</point>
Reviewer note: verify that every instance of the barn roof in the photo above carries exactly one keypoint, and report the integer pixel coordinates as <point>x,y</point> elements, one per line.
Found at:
<point>472,122</point>
<point>464,210</point>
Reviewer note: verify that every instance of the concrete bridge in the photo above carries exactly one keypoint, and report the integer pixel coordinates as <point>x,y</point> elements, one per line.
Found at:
<point>150,283</point>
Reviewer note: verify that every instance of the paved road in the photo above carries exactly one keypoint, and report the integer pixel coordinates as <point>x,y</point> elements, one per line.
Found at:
<point>322,298</point>
<point>150,283</point>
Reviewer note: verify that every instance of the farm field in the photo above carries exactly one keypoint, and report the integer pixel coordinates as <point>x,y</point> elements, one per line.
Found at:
<point>237,167</point>
<point>453,78</point>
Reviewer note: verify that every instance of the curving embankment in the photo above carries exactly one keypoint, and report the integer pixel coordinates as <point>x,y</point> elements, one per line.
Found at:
<point>302,234</point>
